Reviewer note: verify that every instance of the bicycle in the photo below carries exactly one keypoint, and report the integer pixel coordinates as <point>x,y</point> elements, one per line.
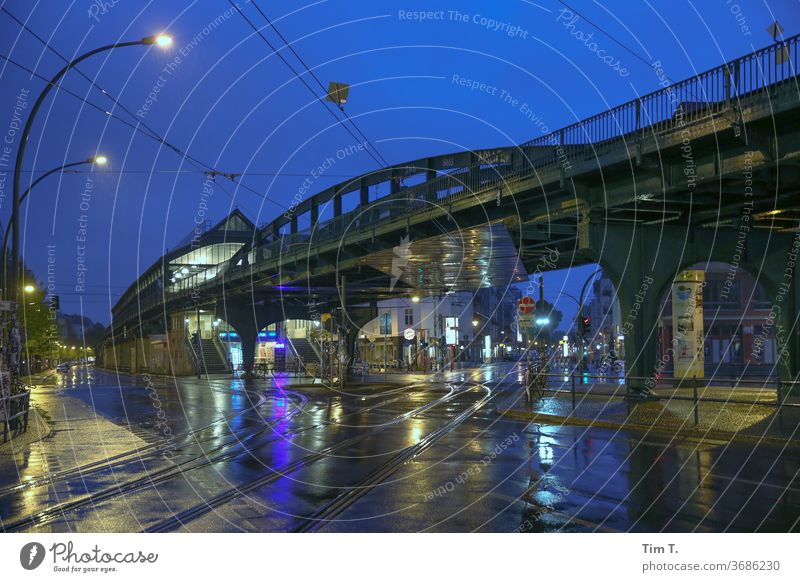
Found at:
<point>535,382</point>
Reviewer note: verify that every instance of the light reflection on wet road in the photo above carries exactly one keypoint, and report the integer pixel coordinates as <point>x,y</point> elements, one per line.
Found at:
<point>227,455</point>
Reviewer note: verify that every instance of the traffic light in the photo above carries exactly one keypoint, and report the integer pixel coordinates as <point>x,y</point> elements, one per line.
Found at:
<point>584,324</point>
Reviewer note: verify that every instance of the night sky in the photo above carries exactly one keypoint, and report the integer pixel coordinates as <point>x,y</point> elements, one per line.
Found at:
<point>225,98</point>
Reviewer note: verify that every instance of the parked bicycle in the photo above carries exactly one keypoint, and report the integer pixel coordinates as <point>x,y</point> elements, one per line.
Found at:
<point>535,381</point>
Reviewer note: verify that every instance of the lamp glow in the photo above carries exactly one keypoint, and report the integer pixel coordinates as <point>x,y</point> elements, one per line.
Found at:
<point>29,288</point>
<point>101,160</point>
<point>164,40</point>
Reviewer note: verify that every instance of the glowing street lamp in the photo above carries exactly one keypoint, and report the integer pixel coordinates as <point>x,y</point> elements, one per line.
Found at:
<point>98,160</point>
<point>162,40</point>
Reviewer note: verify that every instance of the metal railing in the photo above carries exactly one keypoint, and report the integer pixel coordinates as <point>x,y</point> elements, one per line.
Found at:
<point>706,94</point>
<point>780,389</point>
<point>11,415</point>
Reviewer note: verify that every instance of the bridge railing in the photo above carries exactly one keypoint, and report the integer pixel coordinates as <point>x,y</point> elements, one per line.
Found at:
<point>443,189</point>
<point>708,93</point>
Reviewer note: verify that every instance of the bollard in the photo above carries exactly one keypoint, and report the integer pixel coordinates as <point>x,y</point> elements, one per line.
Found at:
<point>696,404</point>
<point>572,376</point>
<point>27,411</point>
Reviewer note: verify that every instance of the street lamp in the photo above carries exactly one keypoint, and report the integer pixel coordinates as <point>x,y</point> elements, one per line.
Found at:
<point>95,161</point>
<point>29,288</point>
<point>163,41</point>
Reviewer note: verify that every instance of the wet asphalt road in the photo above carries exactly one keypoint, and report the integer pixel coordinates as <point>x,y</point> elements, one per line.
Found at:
<point>410,455</point>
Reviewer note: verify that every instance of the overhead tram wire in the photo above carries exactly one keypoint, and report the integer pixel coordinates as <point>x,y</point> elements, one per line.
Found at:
<point>613,39</point>
<point>151,133</point>
<point>196,171</point>
<point>379,159</point>
<point>199,166</point>
<point>314,76</point>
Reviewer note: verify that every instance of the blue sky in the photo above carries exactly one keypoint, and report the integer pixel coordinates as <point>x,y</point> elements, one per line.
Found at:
<point>225,98</point>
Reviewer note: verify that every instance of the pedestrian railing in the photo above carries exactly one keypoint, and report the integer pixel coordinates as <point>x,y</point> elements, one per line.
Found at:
<point>14,414</point>
<point>771,386</point>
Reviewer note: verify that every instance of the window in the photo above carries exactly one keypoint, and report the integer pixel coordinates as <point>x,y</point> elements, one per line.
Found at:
<point>386,324</point>
<point>409,317</point>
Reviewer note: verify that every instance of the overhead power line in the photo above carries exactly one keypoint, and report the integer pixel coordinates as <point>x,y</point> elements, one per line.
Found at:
<point>376,155</point>
<point>139,123</point>
<point>314,76</point>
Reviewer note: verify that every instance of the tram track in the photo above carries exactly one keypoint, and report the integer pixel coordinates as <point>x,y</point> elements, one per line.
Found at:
<point>193,513</point>
<point>206,459</point>
<point>346,499</point>
<point>138,454</point>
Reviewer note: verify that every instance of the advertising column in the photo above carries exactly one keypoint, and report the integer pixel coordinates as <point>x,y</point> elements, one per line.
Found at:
<point>687,324</point>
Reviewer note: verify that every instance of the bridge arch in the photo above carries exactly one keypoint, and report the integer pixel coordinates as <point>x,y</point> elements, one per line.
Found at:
<point>643,279</point>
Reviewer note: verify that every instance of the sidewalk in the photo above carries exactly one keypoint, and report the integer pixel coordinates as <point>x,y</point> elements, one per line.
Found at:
<point>605,406</point>
<point>66,433</point>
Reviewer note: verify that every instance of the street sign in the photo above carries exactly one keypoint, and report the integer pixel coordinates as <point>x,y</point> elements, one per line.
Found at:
<point>409,334</point>
<point>526,305</point>
<point>775,30</point>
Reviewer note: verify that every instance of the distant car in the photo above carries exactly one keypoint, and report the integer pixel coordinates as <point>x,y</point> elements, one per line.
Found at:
<point>63,367</point>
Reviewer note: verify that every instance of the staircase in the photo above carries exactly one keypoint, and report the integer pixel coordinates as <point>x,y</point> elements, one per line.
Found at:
<point>212,361</point>
<point>304,350</point>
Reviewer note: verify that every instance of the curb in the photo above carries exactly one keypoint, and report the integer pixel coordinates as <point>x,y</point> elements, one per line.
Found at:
<point>690,432</point>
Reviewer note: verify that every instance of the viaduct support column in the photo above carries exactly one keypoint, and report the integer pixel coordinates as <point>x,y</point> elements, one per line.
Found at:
<point>247,320</point>
<point>248,334</point>
<point>642,261</point>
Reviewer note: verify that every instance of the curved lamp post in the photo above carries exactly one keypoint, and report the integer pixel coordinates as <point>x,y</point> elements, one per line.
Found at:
<point>161,40</point>
<point>96,160</point>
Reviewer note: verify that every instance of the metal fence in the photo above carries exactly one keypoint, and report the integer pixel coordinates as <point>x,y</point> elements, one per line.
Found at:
<point>568,383</point>
<point>708,93</point>
<point>14,414</point>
